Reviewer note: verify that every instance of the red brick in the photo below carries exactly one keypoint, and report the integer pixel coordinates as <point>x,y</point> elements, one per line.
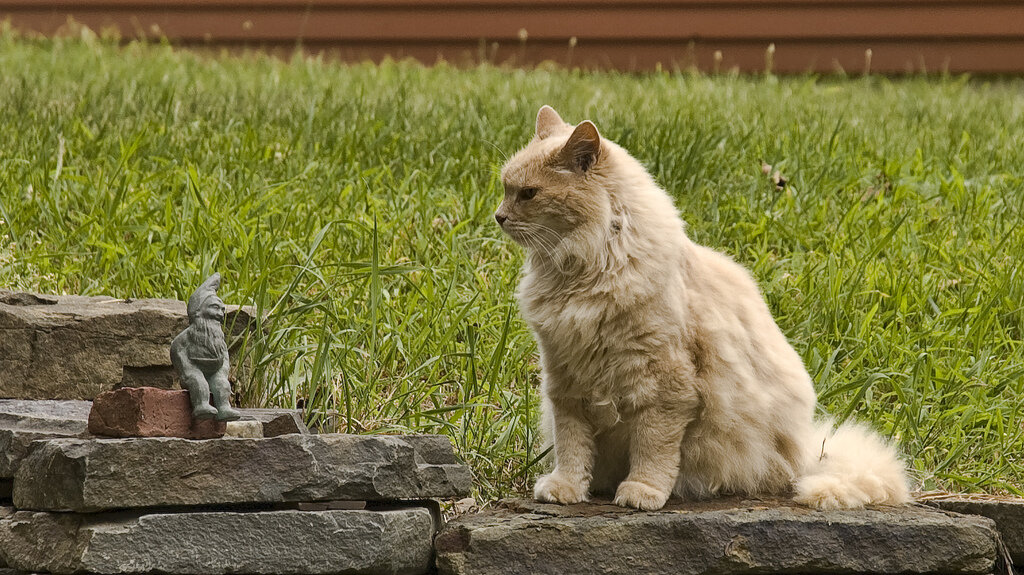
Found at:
<point>149,412</point>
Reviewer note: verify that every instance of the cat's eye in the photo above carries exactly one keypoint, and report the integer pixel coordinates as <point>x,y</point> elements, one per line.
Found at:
<point>528,193</point>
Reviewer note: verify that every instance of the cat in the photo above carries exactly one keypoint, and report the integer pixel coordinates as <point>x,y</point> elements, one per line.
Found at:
<point>662,369</point>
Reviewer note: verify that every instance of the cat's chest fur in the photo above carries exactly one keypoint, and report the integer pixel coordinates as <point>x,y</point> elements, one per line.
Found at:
<point>598,344</point>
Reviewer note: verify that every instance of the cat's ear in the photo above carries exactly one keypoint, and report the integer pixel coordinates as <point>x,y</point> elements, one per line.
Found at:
<point>583,148</point>
<point>548,122</point>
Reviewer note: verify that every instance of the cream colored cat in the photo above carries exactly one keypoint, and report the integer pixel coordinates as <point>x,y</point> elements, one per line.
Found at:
<point>663,370</point>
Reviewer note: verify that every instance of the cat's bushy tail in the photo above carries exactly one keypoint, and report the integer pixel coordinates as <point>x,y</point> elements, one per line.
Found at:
<point>851,467</point>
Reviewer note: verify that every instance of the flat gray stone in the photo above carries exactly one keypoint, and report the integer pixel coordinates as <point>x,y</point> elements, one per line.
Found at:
<point>58,416</point>
<point>76,347</point>
<point>88,475</point>
<point>24,421</point>
<point>717,537</point>
<point>393,541</point>
<point>15,444</point>
<point>276,421</point>
<point>6,511</point>
<point>71,417</point>
<point>1007,512</point>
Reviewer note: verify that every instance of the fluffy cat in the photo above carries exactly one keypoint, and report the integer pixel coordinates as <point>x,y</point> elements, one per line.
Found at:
<point>663,371</point>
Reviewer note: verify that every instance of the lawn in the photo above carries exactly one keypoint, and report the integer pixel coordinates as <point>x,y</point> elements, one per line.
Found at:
<point>353,204</point>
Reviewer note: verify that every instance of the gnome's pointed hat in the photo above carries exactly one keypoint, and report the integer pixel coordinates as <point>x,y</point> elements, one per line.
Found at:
<point>202,293</point>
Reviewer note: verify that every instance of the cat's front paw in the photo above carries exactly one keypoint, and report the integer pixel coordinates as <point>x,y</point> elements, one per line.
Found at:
<point>556,488</point>
<point>640,496</point>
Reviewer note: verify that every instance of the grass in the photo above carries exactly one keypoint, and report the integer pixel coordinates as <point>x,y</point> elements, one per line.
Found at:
<point>353,204</point>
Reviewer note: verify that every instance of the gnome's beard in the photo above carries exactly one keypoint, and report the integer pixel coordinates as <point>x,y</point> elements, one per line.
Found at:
<point>206,339</point>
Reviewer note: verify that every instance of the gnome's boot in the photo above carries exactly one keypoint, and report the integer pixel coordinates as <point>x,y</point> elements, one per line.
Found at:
<point>221,389</point>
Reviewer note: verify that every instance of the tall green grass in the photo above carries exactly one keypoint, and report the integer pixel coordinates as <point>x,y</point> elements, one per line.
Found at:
<point>352,204</point>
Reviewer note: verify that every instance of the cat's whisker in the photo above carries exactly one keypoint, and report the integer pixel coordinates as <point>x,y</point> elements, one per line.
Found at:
<point>550,247</point>
<point>549,234</point>
<point>535,242</point>
<point>504,156</point>
<point>541,227</point>
<point>538,244</point>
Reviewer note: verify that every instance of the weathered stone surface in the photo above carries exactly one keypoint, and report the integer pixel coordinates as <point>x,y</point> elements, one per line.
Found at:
<point>276,421</point>
<point>149,412</point>
<point>75,347</point>
<point>98,474</point>
<point>5,512</point>
<point>68,417</point>
<point>267,542</point>
<point>15,445</point>
<point>720,537</point>
<point>71,416</point>
<point>19,298</point>
<point>22,422</point>
<point>1008,514</point>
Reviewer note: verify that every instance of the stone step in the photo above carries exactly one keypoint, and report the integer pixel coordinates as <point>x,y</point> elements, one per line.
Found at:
<point>15,445</point>
<point>1006,512</point>
<point>379,541</point>
<point>25,421</point>
<point>722,536</point>
<point>69,417</point>
<point>88,475</point>
<point>76,347</point>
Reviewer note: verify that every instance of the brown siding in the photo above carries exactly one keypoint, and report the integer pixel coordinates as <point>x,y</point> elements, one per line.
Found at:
<point>984,36</point>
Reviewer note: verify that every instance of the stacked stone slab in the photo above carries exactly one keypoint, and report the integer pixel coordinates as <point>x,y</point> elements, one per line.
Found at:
<point>26,425</point>
<point>76,347</point>
<point>396,540</point>
<point>105,474</point>
<point>25,421</point>
<point>278,500</point>
<point>1006,512</point>
<point>722,536</point>
<point>22,422</point>
<point>229,505</point>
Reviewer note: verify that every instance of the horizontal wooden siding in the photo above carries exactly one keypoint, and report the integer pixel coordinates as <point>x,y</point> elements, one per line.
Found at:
<point>787,35</point>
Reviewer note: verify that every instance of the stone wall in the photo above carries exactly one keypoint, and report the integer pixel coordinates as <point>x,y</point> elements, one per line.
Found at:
<point>271,498</point>
<point>302,503</point>
<point>288,503</point>
<point>75,347</point>
<point>722,536</point>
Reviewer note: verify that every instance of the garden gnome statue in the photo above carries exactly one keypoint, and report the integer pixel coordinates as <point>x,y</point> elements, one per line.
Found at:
<point>200,355</point>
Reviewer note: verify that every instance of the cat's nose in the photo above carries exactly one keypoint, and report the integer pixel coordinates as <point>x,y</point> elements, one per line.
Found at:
<point>500,218</point>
